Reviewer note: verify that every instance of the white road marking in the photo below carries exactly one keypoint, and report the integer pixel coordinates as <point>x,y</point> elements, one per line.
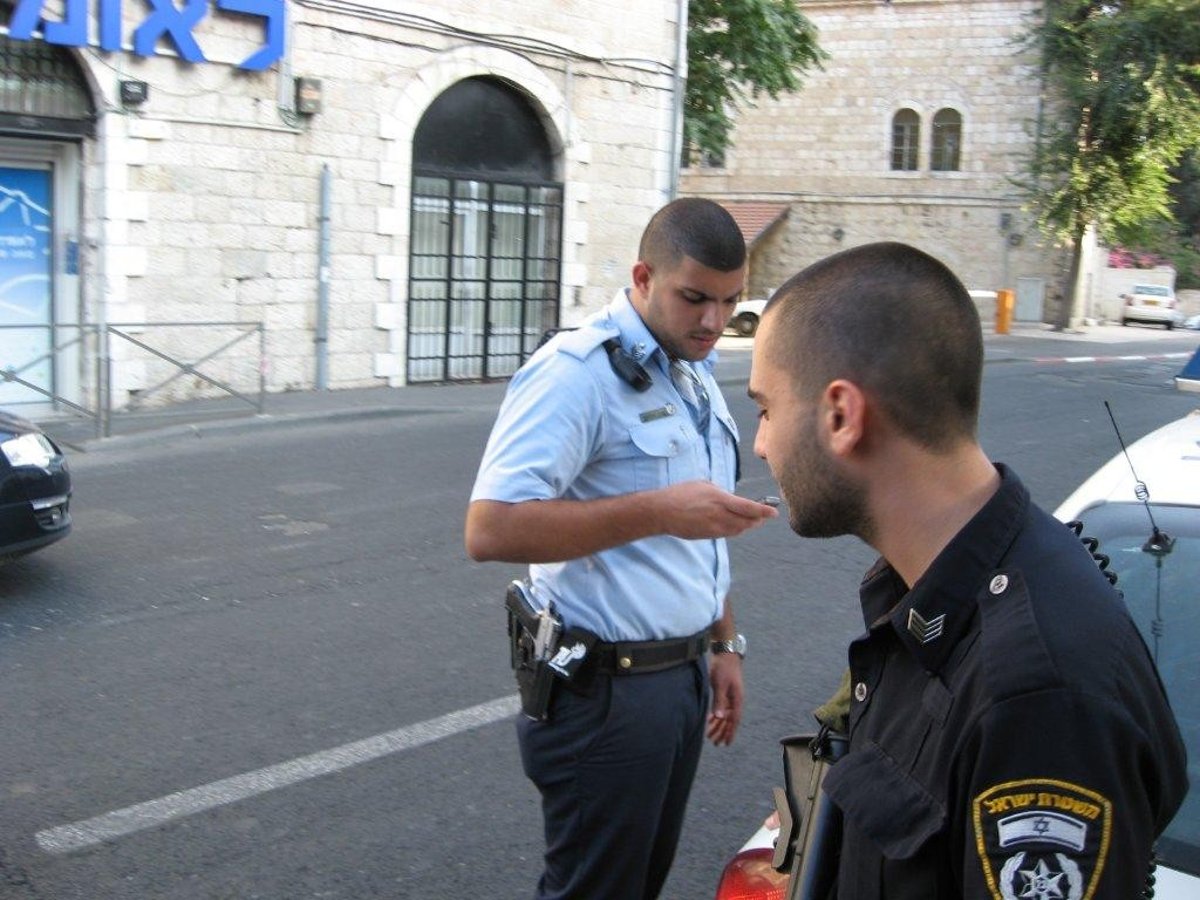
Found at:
<point>1101,359</point>
<point>152,813</point>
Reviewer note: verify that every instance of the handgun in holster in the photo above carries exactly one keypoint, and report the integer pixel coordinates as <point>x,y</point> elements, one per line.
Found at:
<point>533,634</point>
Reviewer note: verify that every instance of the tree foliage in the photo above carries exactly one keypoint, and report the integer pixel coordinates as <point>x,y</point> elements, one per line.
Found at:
<point>1123,107</point>
<point>737,50</point>
<point>1176,242</point>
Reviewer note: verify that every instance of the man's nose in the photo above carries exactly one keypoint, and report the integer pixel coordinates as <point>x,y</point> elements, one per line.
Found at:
<point>760,442</point>
<point>714,318</point>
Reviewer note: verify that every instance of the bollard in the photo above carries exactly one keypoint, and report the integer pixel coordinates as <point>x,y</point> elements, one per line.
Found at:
<point>1005,300</point>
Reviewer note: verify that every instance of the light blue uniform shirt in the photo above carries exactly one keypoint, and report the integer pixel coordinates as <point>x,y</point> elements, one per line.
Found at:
<point>570,428</point>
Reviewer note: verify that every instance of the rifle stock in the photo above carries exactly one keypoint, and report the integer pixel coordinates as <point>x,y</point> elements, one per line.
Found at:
<point>810,824</point>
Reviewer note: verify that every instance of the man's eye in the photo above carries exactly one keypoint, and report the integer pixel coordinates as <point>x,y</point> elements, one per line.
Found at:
<point>762,414</point>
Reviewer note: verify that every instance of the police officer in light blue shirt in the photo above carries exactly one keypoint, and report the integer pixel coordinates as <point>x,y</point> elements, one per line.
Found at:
<point>610,470</point>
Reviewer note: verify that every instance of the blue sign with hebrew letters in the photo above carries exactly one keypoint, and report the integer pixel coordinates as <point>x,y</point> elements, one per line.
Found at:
<point>165,21</point>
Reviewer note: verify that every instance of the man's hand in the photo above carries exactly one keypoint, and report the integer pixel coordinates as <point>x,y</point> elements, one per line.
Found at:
<point>725,676</point>
<point>700,509</point>
<point>543,531</point>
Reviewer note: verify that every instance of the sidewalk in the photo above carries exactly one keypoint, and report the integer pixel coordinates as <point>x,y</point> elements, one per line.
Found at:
<point>1026,342</point>
<point>198,417</point>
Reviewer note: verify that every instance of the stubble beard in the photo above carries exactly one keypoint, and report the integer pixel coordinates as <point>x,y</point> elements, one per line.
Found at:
<point>822,502</point>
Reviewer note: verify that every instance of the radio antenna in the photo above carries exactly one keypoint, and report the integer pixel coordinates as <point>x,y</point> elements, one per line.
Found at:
<point>1160,542</point>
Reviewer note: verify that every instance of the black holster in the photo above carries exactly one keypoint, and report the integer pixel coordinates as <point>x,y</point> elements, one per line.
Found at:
<point>535,680</point>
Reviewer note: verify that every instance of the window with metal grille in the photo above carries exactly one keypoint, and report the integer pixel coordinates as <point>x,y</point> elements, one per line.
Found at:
<point>906,138</point>
<point>41,88</point>
<point>484,276</point>
<point>947,140</point>
<point>486,234</point>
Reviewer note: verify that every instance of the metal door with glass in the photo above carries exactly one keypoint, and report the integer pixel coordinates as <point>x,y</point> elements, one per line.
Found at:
<point>486,230</point>
<point>484,276</point>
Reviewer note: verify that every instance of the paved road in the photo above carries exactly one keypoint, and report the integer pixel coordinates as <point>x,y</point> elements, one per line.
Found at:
<point>263,667</point>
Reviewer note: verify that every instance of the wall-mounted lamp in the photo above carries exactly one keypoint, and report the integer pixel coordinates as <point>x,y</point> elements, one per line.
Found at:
<point>134,93</point>
<point>1005,221</point>
<point>308,96</point>
<point>838,233</point>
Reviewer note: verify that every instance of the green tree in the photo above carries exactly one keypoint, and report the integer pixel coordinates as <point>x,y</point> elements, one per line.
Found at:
<point>1123,88</point>
<point>737,50</point>
<point>1176,242</point>
<point>1181,243</point>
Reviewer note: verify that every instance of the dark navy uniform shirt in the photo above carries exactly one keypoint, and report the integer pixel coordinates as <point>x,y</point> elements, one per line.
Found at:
<point>1009,736</point>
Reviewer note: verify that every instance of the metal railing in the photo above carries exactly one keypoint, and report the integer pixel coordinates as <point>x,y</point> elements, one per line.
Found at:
<point>95,345</point>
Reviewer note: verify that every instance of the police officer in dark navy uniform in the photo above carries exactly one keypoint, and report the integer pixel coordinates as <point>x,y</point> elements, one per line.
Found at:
<point>611,470</point>
<point>1009,736</point>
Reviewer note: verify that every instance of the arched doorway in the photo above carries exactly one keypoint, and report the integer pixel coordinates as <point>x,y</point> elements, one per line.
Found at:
<point>46,111</point>
<point>486,233</point>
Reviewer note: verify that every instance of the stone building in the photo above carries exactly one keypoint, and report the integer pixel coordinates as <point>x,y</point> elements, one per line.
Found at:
<point>914,131</point>
<point>308,193</point>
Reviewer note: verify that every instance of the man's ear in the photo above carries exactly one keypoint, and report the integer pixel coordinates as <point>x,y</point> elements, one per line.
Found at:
<point>843,414</point>
<point>641,278</point>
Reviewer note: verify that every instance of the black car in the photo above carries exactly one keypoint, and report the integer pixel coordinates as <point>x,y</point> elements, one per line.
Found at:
<point>35,488</point>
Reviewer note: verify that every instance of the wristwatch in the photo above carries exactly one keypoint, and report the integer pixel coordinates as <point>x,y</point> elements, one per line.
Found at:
<point>736,645</point>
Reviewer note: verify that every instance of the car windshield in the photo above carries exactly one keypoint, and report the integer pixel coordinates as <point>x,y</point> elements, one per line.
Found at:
<point>1163,596</point>
<point>1152,290</point>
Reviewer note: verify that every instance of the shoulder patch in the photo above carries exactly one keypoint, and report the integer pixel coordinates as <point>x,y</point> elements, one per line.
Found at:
<point>1041,838</point>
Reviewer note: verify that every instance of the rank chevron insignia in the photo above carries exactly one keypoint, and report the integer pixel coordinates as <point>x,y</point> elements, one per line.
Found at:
<point>925,630</point>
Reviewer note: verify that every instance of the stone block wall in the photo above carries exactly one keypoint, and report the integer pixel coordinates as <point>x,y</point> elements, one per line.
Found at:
<point>202,203</point>
<point>827,148</point>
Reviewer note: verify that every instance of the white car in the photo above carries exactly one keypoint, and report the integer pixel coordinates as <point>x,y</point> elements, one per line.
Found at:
<point>1154,548</point>
<point>1153,303</point>
<point>746,316</point>
<point>1159,580</point>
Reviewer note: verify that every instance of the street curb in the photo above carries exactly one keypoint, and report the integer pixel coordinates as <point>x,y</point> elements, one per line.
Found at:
<point>227,424</point>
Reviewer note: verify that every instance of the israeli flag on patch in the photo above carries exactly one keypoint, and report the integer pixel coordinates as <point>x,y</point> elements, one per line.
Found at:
<point>1042,827</point>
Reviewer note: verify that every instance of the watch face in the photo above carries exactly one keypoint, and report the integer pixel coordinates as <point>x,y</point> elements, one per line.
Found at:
<point>737,645</point>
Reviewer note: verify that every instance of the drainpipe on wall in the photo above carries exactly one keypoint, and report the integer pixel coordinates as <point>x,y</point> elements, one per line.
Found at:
<point>322,336</point>
<point>677,98</point>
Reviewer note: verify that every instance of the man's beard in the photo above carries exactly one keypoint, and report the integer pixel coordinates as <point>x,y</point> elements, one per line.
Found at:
<point>822,502</point>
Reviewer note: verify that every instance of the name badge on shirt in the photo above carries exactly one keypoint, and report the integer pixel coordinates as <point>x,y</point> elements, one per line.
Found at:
<point>662,412</point>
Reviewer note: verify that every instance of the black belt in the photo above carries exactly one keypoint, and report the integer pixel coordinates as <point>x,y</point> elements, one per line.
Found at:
<point>634,657</point>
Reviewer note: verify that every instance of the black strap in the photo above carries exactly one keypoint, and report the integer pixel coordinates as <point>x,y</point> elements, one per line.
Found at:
<point>634,657</point>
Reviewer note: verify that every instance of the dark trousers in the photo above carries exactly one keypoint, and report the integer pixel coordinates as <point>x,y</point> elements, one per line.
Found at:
<point>614,768</point>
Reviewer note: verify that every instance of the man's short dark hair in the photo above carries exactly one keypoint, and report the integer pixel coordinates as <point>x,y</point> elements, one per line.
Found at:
<point>896,322</point>
<point>694,227</point>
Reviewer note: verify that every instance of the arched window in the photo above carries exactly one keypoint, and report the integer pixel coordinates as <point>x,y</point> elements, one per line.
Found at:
<point>906,138</point>
<point>947,141</point>
<point>486,231</point>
